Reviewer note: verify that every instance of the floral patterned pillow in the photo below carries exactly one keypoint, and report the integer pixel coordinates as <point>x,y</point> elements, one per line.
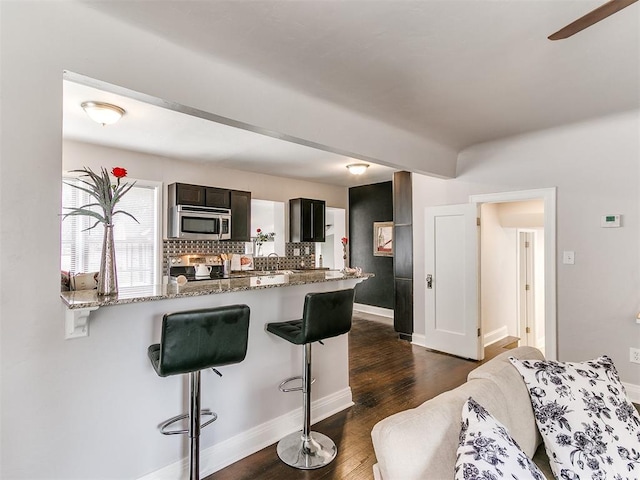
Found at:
<point>591,430</point>
<point>487,451</point>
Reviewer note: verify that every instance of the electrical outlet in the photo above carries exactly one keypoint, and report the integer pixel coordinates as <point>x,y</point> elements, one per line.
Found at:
<point>634,355</point>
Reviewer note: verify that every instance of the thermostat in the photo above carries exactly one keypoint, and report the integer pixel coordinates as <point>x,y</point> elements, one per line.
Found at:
<point>610,221</point>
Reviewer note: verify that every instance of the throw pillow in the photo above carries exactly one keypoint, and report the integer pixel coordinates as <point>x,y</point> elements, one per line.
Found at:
<point>590,428</point>
<point>487,451</point>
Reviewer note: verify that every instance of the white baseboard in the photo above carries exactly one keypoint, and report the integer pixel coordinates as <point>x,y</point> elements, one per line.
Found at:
<point>633,392</point>
<point>418,339</point>
<point>246,443</point>
<point>379,311</point>
<point>495,335</point>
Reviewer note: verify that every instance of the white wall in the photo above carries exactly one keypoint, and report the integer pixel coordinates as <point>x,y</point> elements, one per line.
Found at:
<point>170,170</point>
<point>268,216</point>
<point>498,295</point>
<point>595,167</point>
<point>44,418</point>
<point>525,214</point>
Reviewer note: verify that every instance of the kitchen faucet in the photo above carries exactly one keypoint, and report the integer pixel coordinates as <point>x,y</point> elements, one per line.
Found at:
<point>277,260</point>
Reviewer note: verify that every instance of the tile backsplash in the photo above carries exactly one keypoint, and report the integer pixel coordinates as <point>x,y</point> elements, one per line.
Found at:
<point>290,261</point>
<point>174,248</point>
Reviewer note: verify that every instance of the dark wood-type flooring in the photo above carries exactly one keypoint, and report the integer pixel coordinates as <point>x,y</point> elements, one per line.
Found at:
<point>387,375</point>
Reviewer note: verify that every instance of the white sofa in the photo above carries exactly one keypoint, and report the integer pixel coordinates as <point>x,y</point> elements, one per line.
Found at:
<point>421,443</point>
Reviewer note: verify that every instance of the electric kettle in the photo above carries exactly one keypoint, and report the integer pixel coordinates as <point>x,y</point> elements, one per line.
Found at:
<point>202,270</point>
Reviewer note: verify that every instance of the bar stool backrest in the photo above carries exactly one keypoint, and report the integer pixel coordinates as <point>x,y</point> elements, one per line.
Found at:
<point>198,339</point>
<point>327,314</point>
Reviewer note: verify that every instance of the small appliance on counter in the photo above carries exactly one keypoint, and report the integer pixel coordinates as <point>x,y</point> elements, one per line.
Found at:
<point>196,267</point>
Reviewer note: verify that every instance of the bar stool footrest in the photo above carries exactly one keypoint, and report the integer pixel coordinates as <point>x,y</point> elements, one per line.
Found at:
<point>292,389</point>
<point>164,425</point>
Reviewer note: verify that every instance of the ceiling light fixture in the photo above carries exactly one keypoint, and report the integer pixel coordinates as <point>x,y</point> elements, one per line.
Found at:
<point>357,168</point>
<point>103,113</point>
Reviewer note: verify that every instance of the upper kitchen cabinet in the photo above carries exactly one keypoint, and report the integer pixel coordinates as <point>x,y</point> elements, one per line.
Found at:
<point>218,197</point>
<point>306,220</point>
<point>240,216</point>
<point>185,194</point>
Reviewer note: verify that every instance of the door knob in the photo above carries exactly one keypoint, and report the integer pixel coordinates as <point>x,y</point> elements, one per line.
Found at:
<point>429,281</point>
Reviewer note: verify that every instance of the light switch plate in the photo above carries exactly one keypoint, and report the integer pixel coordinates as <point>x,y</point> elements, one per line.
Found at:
<point>569,257</point>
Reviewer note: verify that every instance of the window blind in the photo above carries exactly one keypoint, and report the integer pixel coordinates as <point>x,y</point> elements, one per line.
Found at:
<point>136,244</point>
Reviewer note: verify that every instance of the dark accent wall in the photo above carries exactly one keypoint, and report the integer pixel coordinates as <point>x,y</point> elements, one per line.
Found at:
<point>368,204</point>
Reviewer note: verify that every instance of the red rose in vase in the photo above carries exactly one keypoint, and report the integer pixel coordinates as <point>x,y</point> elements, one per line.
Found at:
<point>119,172</point>
<point>344,241</point>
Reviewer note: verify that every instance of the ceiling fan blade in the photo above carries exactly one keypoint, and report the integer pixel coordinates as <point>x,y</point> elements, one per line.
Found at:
<point>590,18</point>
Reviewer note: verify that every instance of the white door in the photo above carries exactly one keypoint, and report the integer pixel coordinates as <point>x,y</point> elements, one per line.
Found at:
<point>526,285</point>
<point>452,268</point>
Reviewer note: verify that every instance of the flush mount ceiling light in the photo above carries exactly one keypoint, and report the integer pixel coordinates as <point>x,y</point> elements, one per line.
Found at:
<point>103,113</point>
<point>358,168</point>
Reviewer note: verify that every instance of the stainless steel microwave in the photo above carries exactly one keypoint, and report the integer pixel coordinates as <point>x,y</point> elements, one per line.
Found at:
<point>199,223</point>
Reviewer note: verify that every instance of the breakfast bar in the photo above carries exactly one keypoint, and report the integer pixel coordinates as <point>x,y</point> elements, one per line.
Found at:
<point>81,299</point>
<point>252,412</point>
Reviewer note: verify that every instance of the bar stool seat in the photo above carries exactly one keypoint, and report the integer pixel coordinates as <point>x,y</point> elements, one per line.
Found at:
<point>325,315</point>
<point>290,331</point>
<point>192,341</point>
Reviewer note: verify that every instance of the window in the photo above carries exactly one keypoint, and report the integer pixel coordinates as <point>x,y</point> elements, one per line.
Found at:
<point>137,245</point>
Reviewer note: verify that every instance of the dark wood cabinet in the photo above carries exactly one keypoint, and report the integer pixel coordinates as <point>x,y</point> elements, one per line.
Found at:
<point>403,248</point>
<point>306,220</point>
<point>185,194</point>
<point>217,197</point>
<point>199,195</point>
<point>240,216</point>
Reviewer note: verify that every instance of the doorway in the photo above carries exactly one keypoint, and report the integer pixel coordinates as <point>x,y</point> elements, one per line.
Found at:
<point>453,274</point>
<point>329,253</point>
<point>512,272</point>
<point>519,212</point>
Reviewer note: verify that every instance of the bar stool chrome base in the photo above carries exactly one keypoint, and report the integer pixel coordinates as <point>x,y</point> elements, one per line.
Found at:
<point>316,451</point>
<point>307,450</point>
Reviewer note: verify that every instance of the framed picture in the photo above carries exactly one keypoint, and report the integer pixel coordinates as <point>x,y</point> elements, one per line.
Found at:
<point>383,239</point>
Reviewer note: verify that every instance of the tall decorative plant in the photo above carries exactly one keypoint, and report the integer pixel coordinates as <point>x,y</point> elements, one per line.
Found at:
<point>106,196</point>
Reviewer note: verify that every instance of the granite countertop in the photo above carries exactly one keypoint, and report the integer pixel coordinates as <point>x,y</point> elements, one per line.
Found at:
<point>89,298</point>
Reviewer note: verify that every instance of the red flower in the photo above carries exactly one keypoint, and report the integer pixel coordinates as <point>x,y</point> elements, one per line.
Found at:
<point>258,230</point>
<point>345,240</point>
<point>119,172</point>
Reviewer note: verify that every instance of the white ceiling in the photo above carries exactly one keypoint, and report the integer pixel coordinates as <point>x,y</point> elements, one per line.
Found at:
<point>160,131</point>
<point>456,71</point>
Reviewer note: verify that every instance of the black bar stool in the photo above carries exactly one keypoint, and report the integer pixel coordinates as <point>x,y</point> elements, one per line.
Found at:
<point>325,315</point>
<point>196,340</point>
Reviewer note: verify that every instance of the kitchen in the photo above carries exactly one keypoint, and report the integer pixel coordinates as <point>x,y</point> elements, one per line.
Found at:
<point>237,432</point>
